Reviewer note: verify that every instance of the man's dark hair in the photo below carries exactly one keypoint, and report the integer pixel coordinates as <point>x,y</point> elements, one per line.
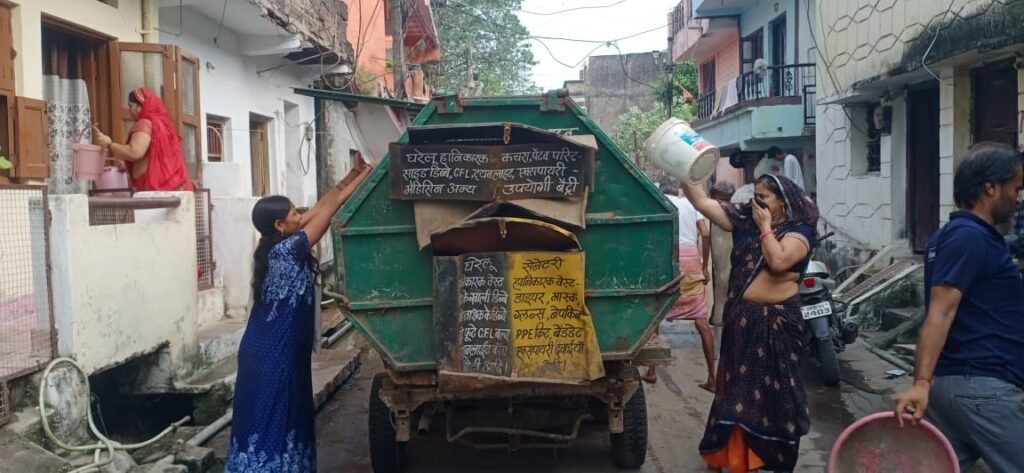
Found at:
<point>669,188</point>
<point>987,163</point>
<point>774,151</point>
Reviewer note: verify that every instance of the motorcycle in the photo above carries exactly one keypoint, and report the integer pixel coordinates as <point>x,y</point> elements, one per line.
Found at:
<point>825,333</point>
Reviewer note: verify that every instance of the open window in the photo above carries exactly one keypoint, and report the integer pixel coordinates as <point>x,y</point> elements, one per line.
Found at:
<point>171,73</point>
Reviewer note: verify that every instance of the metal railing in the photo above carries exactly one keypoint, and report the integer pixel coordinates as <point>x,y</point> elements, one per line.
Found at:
<point>27,331</point>
<point>793,83</point>
<point>810,110</point>
<point>706,105</point>
<point>775,81</point>
<point>204,239</point>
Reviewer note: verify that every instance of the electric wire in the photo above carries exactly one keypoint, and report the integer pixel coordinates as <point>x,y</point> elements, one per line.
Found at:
<point>567,10</point>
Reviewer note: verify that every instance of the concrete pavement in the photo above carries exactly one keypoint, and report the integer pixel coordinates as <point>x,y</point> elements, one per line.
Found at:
<point>677,411</point>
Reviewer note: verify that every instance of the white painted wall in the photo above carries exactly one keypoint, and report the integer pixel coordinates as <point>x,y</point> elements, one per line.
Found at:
<point>862,41</point>
<point>232,87</point>
<point>121,290</point>
<point>123,23</point>
<point>761,14</point>
<point>234,240</point>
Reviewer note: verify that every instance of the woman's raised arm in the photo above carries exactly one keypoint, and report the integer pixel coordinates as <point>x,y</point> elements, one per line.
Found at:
<point>707,206</point>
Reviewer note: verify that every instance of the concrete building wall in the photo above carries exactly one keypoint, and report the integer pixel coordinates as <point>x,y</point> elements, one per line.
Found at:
<point>232,87</point>
<point>614,84</point>
<point>123,290</point>
<point>865,38</point>
<point>865,43</point>
<point>368,34</point>
<point>727,62</point>
<point>122,23</point>
<point>234,242</point>
<point>761,13</point>
<point>323,21</point>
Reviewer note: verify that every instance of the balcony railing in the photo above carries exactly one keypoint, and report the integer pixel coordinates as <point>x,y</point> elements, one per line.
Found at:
<point>775,81</point>
<point>774,85</point>
<point>706,105</point>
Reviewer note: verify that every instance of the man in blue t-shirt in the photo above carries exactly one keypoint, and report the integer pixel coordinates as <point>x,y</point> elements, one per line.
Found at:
<point>970,354</point>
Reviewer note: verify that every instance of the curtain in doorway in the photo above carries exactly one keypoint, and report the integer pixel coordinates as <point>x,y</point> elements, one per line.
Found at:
<point>67,101</point>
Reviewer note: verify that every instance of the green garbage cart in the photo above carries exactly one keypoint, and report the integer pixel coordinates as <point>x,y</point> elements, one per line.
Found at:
<point>391,252</point>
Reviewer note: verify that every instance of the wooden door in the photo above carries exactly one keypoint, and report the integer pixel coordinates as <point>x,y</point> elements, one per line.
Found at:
<point>922,166</point>
<point>189,113</point>
<point>142,65</point>
<point>31,145</point>
<point>778,57</point>
<point>171,73</point>
<point>7,52</point>
<point>259,154</point>
<point>995,104</point>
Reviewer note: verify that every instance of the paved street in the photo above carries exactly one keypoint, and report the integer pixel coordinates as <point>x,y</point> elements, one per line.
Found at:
<point>677,411</point>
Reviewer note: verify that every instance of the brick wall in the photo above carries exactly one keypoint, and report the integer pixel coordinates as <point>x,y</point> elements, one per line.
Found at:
<point>321,21</point>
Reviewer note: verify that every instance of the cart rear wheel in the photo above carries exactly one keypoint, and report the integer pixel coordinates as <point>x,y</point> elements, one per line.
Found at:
<point>385,450</point>
<point>629,449</point>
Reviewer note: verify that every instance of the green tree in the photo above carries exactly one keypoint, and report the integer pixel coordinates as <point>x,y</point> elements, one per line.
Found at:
<point>684,79</point>
<point>639,123</point>
<point>487,35</point>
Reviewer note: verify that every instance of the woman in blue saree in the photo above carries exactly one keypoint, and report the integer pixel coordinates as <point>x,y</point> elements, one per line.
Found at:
<point>273,423</point>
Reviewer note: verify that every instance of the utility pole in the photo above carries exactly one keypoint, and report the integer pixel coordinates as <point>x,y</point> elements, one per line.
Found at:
<point>670,64</point>
<point>398,47</point>
<point>469,72</point>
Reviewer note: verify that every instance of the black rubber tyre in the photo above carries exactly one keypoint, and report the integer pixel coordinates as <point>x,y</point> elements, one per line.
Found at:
<point>385,450</point>
<point>629,449</point>
<point>828,362</point>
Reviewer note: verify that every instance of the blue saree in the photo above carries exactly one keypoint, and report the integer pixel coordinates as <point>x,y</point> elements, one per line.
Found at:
<point>273,425</point>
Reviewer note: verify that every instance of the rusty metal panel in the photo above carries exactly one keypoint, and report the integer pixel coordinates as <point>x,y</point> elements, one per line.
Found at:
<point>513,316</point>
<point>488,348</point>
<point>486,173</point>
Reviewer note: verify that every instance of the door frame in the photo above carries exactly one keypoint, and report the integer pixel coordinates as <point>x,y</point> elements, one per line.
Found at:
<point>1006,65</point>
<point>772,25</point>
<point>264,145</point>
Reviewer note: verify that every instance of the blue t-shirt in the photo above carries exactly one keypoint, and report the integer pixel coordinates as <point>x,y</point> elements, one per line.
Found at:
<point>987,335</point>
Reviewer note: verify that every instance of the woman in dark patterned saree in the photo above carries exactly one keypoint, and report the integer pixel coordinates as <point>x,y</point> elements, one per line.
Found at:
<point>760,409</point>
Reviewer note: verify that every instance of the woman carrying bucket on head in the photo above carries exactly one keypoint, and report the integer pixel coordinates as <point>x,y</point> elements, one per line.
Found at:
<point>153,151</point>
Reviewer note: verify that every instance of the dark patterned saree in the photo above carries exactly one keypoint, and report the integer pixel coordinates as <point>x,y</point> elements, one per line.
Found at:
<point>760,408</point>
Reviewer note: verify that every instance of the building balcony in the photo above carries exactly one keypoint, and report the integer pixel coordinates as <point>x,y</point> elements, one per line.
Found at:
<point>775,104</point>
<point>700,39</point>
<point>713,8</point>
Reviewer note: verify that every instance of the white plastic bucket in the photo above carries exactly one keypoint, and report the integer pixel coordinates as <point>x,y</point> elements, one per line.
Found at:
<point>681,152</point>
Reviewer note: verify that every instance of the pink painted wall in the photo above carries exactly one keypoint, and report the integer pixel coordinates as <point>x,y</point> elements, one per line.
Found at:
<point>727,62</point>
<point>725,172</point>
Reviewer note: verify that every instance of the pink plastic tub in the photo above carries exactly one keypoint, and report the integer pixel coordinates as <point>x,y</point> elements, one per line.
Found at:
<point>877,444</point>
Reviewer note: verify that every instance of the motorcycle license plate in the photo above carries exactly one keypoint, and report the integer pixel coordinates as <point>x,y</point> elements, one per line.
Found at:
<point>820,309</point>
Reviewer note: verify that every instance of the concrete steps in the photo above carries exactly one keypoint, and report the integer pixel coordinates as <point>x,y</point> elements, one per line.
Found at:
<point>219,340</point>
